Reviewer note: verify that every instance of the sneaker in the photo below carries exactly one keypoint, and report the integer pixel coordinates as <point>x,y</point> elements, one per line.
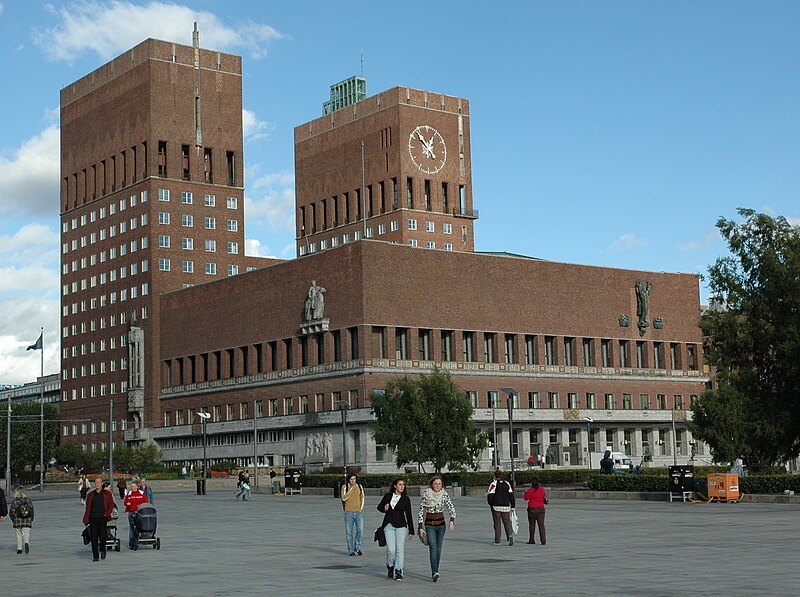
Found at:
<point>435,577</point>
<point>352,553</point>
<point>95,559</point>
<point>398,574</point>
<point>27,548</point>
<point>497,543</point>
<point>511,541</point>
<point>359,552</point>
<point>391,571</point>
<point>19,551</point>
<point>103,555</point>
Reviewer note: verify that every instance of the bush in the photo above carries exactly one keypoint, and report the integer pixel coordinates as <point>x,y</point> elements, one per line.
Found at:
<point>769,483</point>
<point>225,466</point>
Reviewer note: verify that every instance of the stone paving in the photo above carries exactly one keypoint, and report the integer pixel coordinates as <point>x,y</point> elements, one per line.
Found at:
<point>294,545</point>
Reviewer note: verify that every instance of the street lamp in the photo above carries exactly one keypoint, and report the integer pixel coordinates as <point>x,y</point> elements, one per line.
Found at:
<point>344,406</point>
<point>589,421</point>
<point>511,393</point>
<point>205,416</point>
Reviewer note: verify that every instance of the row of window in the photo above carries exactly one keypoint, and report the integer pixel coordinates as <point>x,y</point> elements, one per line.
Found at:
<point>335,211</point>
<point>93,391</point>
<point>94,368</point>
<point>209,222</point>
<point>99,179</point>
<point>209,200</point>
<point>588,401</point>
<point>103,212</point>
<point>187,267</point>
<point>111,298</point>
<point>187,244</point>
<point>103,234</point>
<point>166,168</point>
<point>93,427</point>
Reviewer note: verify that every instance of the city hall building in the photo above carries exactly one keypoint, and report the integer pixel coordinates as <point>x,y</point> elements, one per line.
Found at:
<point>164,315</point>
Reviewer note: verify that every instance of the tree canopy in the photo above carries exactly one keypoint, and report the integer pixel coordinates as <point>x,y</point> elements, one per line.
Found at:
<point>427,419</point>
<point>753,342</point>
<point>26,434</point>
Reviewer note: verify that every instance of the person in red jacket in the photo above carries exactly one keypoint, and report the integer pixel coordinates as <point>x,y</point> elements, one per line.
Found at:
<point>99,506</point>
<point>536,498</point>
<point>132,500</point>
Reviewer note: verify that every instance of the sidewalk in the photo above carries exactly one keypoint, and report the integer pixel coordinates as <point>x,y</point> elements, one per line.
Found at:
<point>294,545</point>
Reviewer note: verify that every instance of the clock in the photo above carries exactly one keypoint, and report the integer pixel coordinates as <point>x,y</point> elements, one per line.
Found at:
<point>427,149</point>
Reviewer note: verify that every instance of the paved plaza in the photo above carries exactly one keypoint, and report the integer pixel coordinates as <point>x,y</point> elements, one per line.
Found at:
<point>214,545</point>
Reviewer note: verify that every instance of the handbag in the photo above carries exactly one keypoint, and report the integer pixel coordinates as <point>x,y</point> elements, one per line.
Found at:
<point>514,523</point>
<point>380,537</point>
<point>423,538</point>
<point>87,538</point>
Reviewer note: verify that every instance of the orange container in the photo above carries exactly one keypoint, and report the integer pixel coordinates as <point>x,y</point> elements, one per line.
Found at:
<point>723,487</point>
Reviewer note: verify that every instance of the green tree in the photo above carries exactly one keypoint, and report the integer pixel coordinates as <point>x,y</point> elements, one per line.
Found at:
<point>427,419</point>
<point>70,455</point>
<point>754,343</point>
<point>26,434</point>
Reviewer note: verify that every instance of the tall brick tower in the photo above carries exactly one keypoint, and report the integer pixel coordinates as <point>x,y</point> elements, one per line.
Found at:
<point>151,201</point>
<point>394,167</point>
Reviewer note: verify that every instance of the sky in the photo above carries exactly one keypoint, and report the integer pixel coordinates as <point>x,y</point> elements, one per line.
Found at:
<point>603,133</point>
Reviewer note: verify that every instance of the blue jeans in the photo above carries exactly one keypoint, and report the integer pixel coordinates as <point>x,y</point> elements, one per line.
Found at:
<point>354,528</point>
<point>435,540</point>
<point>395,546</point>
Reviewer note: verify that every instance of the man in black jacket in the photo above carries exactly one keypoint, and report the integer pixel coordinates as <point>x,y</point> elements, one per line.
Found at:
<point>501,499</point>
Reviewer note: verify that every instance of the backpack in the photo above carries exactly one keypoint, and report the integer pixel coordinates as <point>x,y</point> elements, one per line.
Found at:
<point>24,509</point>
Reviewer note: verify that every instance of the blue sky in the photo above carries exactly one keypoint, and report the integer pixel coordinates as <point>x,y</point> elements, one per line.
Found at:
<point>604,133</point>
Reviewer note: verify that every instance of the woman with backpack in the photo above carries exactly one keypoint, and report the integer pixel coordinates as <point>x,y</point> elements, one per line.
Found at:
<point>21,512</point>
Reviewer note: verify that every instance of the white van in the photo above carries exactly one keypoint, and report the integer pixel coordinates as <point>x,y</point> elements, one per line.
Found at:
<point>622,462</point>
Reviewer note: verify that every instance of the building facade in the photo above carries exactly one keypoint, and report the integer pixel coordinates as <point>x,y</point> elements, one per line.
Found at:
<point>386,284</point>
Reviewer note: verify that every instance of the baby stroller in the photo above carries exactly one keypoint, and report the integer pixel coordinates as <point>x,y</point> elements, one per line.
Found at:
<point>144,524</point>
<point>112,541</point>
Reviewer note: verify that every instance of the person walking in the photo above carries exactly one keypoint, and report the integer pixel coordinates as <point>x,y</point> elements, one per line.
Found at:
<point>431,520</point>
<point>276,482</point>
<point>3,506</point>
<point>536,498</point>
<point>83,487</point>
<point>21,512</point>
<point>122,486</point>
<point>99,507</point>
<point>501,499</point>
<point>397,523</point>
<point>135,497</point>
<point>353,503</point>
<point>244,486</point>
<point>146,490</point>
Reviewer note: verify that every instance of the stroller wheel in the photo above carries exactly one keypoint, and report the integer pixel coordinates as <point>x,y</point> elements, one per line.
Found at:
<point>116,547</point>
<point>135,544</point>
<point>158,543</point>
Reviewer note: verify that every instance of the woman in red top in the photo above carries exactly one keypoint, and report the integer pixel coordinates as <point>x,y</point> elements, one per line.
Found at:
<point>536,498</point>
<point>132,500</point>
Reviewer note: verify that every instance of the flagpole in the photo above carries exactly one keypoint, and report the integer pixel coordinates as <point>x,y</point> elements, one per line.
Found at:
<point>41,421</point>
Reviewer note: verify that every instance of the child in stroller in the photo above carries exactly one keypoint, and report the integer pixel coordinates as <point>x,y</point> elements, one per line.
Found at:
<point>145,523</point>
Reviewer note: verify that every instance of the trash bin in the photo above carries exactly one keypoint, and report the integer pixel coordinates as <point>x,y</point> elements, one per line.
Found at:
<point>337,489</point>
<point>681,481</point>
<point>201,486</point>
<point>293,480</point>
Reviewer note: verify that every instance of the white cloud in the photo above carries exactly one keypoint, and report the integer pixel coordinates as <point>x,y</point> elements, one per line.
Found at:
<point>253,128</point>
<point>271,199</point>
<point>709,236</point>
<point>109,28</point>
<point>793,221</point>
<point>255,248</point>
<point>33,251</point>
<point>20,320</point>
<point>626,242</point>
<point>29,180</point>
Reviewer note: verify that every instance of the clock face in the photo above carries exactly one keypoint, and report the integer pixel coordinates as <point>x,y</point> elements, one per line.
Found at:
<point>427,149</point>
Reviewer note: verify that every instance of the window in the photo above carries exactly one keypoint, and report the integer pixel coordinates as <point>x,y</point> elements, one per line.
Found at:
<point>163,264</point>
<point>233,248</point>
<point>187,244</point>
<point>624,354</point>
<point>381,229</point>
<point>186,198</point>
<point>588,352</point>
<point>210,223</point>
<point>232,202</point>
<point>677,402</point>
<point>233,225</point>
<point>491,399</point>
<point>412,243</point>
<point>591,401</point>
<point>412,224</point>
<point>163,217</point>
<point>605,353</point>
<point>533,400</point>
<point>644,401</point>
<point>448,246</point>
<point>287,406</point>
<point>530,350</point>
<point>209,200</point>
<point>163,241</point>
<point>569,352</point>
<point>553,400</point>
<point>508,348</point>
<point>447,345</point>
<point>211,246</point>
<point>393,225</point>
<point>187,220</point>
<point>489,347</point>
<point>626,402</point>
<point>211,269</point>
<point>469,346</point>
<point>410,193</point>
<point>401,343</point>
<point>549,350</point>
<point>572,400</point>
<point>188,267</point>
<point>430,227</point>
<point>424,345</point>
<point>163,194</point>
<point>658,355</point>
<point>610,403</point>
<point>691,356</point>
<point>641,354</point>
<point>429,244</point>
<point>447,228</point>
<point>233,269</point>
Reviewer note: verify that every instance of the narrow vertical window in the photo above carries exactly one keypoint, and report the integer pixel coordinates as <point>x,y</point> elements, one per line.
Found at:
<point>185,161</point>
<point>230,158</point>
<point>208,165</point>
<point>162,158</point>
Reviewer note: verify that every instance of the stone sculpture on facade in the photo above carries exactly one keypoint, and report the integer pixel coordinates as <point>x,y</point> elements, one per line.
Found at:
<point>643,290</point>
<point>314,320</point>
<point>318,447</point>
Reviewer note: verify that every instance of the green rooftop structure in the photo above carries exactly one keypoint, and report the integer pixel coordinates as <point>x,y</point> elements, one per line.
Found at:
<point>346,93</point>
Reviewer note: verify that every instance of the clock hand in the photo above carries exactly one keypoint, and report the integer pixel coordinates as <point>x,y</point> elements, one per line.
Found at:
<point>425,148</point>
<point>429,145</point>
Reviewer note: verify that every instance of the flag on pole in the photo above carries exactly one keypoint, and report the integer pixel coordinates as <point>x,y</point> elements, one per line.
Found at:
<point>38,345</point>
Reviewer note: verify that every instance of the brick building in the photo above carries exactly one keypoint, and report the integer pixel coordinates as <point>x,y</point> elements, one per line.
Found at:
<point>386,283</point>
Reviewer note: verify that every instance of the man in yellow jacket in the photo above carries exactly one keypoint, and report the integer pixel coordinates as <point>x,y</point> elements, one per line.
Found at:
<point>353,503</point>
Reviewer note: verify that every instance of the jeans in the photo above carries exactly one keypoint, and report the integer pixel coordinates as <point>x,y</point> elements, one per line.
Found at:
<point>395,546</point>
<point>435,540</point>
<point>276,486</point>
<point>245,493</point>
<point>354,529</point>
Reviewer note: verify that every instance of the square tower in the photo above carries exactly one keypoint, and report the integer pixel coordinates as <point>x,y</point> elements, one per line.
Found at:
<point>151,201</point>
<point>393,167</point>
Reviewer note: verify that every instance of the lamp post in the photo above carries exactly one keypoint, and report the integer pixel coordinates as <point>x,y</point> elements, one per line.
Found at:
<point>111,443</point>
<point>511,393</point>
<point>494,439</point>
<point>344,406</point>
<point>589,421</point>
<point>8,446</point>
<point>205,416</point>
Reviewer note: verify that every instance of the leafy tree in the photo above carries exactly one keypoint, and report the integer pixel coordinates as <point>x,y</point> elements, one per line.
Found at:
<point>70,455</point>
<point>754,343</point>
<point>26,434</point>
<point>427,419</point>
